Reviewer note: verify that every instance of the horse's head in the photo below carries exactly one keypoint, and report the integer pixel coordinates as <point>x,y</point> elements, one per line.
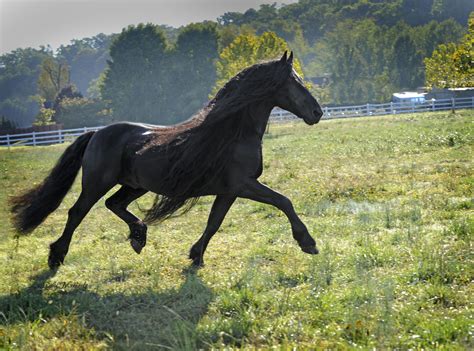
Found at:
<point>293,96</point>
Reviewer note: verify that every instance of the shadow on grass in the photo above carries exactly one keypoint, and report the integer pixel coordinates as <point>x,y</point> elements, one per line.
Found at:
<point>148,320</point>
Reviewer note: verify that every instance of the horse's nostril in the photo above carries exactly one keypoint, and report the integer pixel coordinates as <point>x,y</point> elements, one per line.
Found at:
<point>317,113</point>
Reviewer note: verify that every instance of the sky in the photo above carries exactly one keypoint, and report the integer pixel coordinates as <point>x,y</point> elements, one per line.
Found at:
<point>31,23</point>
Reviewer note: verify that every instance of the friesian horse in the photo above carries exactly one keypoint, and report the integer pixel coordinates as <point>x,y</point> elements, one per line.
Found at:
<point>218,152</point>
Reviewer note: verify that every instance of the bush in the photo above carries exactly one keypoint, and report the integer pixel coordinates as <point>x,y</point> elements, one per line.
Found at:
<point>82,112</point>
<point>44,117</point>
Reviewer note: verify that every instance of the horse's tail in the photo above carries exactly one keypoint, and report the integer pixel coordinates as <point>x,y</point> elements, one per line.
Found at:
<point>31,208</point>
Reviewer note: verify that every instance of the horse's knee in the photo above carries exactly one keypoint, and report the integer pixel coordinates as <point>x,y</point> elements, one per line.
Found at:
<point>284,203</point>
<point>111,204</point>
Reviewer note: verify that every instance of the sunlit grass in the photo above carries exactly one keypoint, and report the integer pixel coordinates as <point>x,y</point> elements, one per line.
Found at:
<point>389,201</point>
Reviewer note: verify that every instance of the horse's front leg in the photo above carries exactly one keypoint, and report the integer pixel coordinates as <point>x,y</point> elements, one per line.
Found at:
<point>221,206</point>
<point>256,191</point>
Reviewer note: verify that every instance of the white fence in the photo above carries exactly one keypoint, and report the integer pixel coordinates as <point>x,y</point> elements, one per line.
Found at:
<point>383,109</point>
<point>44,138</point>
<point>65,135</point>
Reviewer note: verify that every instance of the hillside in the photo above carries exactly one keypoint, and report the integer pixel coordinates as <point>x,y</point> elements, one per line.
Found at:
<point>389,201</point>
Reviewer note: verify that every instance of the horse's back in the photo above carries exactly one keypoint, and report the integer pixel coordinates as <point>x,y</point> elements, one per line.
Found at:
<point>108,147</point>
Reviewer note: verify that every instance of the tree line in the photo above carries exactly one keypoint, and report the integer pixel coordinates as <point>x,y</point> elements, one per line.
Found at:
<point>350,51</point>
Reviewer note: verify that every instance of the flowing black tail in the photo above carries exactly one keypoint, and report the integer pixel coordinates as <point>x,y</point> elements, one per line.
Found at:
<point>31,208</point>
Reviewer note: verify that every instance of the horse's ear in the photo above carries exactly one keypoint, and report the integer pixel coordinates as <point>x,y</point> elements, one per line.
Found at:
<point>283,58</point>
<point>290,59</point>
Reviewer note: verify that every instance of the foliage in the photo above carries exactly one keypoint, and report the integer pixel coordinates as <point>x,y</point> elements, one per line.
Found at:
<point>86,58</point>
<point>68,92</point>
<point>6,125</point>
<point>351,53</point>
<point>192,68</point>
<point>20,110</point>
<point>324,34</point>
<point>315,18</point>
<point>228,33</point>
<point>388,199</point>
<point>135,76</point>
<point>95,86</point>
<point>45,115</point>
<point>368,62</point>
<point>19,71</point>
<point>247,50</point>
<point>78,112</point>
<point>148,81</point>
<point>451,65</point>
<point>54,76</point>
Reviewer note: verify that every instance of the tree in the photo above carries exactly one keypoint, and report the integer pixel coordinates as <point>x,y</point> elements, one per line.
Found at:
<point>406,62</point>
<point>45,115</point>
<point>451,65</point>
<point>6,125</point>
<point>193,67</point>
<point>81,112</point>
<point>53,77</point>
<point>95,87</point>
<point>19,71</point>
<point>354,56</point>
<point>228,33</point>
<point>247,50</point>
<point>68,92</point>
<point>136,75</point>
<point>87,58</point>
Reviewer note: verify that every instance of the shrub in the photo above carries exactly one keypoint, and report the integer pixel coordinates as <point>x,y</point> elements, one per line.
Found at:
<point>82,112</point>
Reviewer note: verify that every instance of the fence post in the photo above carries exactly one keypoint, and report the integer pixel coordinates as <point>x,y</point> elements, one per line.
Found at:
<point>368,109</point>
<point>432,105</point>
<point>8,141</point>
<point>60,136</point>
<point>391,107</point>
<point>472,102</point>
<point>34,138</point>
<point>327,116</point>
<point>453,103</point>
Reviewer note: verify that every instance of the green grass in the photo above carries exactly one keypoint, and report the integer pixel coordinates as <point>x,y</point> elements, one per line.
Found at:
<point>389,201</point>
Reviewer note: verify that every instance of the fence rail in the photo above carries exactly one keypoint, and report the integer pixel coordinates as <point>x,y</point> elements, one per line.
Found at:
<point>383,109</point>
<point>277,115</point>
<point>44,138</point>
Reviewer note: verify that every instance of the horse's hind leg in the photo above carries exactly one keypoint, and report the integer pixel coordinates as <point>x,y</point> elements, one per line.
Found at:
<point>89,196</point>
<point>118,203</point>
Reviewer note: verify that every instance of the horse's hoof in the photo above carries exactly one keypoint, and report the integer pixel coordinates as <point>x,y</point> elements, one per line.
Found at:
<point>55,257</point>
<point>198,263</point>
<point>312,250</point>
<point>54,261</point>
<point>137,245</point>
<point>137,236</point>
<point>196,257</point>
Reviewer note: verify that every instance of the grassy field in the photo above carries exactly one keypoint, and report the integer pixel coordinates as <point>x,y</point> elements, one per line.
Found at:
<point>389,201</point>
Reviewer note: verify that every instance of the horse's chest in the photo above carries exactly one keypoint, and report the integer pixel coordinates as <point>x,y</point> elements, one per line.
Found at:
<point>247,159</point>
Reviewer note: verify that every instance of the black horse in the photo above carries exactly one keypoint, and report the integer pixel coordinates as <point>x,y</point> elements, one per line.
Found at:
<point>216,152</point>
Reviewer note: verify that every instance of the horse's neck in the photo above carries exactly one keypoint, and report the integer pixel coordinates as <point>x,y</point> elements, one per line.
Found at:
<point>259,115</point>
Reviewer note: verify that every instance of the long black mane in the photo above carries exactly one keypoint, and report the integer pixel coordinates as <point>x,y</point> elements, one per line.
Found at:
<point>200,147</point>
